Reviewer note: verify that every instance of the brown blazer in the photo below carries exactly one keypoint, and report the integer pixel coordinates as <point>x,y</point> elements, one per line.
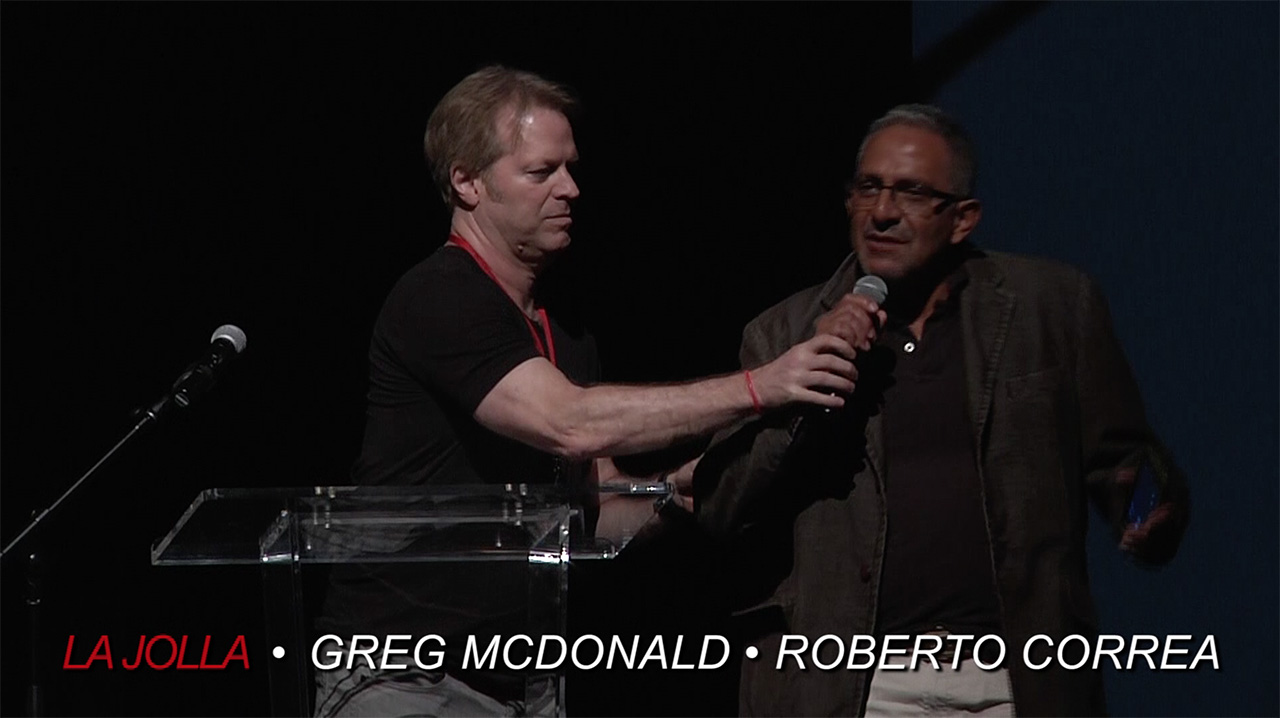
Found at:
<point>1055,412</point>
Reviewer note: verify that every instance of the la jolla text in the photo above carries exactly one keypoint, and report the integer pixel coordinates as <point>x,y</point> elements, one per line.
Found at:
<point>159,652</point>
<point>828,652</point>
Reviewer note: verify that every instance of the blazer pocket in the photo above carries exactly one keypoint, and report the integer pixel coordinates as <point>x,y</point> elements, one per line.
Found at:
<point>763,619</point>
<point>1037,383</point>
<point>780,599</point>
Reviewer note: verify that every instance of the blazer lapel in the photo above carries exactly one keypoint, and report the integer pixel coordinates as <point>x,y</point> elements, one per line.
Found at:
<point>875,447</point>
<point>986,312</point>
<point>840,284</point>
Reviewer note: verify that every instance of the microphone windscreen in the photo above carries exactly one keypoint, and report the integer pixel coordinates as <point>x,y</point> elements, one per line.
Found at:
<point>233,334</point>
<point>873,287</point>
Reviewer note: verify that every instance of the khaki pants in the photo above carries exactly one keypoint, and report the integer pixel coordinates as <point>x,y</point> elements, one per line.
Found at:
<point>925,691</point>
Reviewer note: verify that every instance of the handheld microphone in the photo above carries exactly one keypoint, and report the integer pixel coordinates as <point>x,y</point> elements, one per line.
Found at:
<point>874,288</point>
<point>227,341</point>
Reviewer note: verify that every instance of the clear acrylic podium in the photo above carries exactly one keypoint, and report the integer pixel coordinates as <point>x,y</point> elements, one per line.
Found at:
<point>533,529</point>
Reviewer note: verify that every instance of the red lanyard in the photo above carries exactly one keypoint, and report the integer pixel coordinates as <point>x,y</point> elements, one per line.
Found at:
<point>549,349</point>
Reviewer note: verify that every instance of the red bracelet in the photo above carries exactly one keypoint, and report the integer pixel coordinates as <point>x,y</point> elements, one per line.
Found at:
<point>751,389</point>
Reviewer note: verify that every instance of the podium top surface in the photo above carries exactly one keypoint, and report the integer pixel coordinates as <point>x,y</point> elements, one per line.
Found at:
<point>347,524</point>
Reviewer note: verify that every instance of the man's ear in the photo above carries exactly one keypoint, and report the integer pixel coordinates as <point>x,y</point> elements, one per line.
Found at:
<point>466,186</point>
<point>967,214</point>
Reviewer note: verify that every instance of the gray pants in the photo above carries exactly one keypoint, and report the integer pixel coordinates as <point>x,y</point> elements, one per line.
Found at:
<point>363,692</point>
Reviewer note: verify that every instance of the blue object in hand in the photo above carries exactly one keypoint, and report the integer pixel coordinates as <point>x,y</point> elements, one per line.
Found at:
<point>1146,494</point>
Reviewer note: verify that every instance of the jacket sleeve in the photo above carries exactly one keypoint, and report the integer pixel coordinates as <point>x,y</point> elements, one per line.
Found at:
<point>743,468</point>
<point>1117,442</point>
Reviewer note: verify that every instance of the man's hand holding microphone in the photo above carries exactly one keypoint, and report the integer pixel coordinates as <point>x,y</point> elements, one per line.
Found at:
<point>857,316</point>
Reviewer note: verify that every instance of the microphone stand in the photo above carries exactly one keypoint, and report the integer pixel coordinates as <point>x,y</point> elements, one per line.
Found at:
<point>227,341</point>
<point>147,418</point>
<point>35,568</point>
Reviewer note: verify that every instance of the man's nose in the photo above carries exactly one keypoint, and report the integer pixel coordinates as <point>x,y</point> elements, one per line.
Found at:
<point>568,188</point>
<point>885,212</point>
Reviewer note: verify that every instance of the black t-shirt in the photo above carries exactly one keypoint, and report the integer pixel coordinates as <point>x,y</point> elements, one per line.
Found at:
<point>446,335</point>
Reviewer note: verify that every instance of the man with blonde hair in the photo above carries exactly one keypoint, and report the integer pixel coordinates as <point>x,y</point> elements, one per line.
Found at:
<point>472,381</point>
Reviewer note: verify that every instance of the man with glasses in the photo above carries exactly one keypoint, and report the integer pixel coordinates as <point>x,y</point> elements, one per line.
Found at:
<point>947,498</point>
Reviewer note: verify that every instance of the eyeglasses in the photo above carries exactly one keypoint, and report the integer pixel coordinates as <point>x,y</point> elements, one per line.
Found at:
<point>911,197</point>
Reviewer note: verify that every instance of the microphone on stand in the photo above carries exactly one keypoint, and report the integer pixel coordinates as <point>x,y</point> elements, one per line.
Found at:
<point>227,341</point>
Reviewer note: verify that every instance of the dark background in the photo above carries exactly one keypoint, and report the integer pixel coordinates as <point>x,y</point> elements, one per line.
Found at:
<point>1140,142</point>
<point>171,167</point>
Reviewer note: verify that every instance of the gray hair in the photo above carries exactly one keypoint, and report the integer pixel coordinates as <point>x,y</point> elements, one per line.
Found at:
<point>964,161</point>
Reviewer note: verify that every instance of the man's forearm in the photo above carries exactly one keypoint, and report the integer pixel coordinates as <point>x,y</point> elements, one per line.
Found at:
<point>614,419</point>
<point>536,404</point>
